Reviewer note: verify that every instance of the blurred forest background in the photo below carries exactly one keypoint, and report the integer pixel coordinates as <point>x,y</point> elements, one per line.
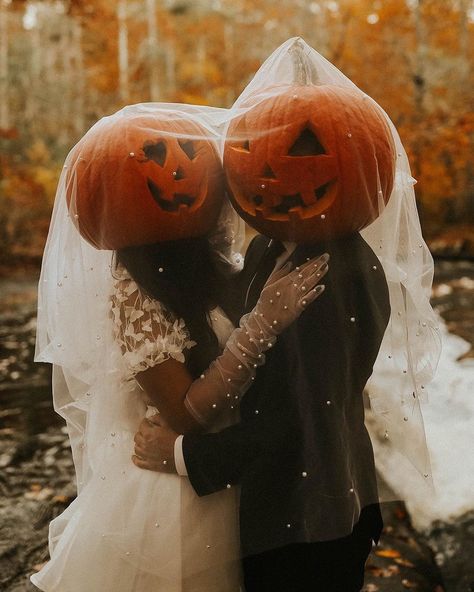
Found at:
<point>66,63</point>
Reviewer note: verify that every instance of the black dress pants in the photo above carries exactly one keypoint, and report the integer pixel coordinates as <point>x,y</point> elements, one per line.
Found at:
<point>332,566</point>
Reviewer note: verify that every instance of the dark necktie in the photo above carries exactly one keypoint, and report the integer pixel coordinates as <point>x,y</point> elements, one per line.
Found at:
<point>265,267</point>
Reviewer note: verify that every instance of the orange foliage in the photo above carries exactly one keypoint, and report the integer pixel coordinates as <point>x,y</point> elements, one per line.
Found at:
<point>413,58</point>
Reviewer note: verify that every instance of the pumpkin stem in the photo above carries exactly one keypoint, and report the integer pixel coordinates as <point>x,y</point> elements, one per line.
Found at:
<point>304,72</point>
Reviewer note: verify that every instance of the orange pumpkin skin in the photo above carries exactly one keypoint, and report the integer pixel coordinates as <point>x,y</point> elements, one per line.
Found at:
<point>133,181</point>
<point>310,163</point>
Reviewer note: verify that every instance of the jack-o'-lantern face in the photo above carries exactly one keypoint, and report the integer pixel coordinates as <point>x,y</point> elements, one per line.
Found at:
<point>145,179</point>
<point>310,163</point>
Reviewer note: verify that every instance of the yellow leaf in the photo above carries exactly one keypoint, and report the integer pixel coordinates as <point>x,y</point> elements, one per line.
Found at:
<point>388,553</point>
<point>409,584</point>
<point>403,562</point>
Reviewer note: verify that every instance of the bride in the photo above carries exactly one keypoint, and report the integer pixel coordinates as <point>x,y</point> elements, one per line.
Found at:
<point>135,301</point>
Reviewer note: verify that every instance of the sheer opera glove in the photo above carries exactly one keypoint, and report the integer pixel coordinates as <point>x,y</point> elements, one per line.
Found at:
<point>283,298</point>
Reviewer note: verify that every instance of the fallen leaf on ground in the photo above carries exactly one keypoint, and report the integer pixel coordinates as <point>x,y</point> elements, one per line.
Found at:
<point>410,585</point>
<point>61,499</point>
<point>400,513</point>
<point>383,572</point>
<point>39,495</point>
<point>39,566</point>
<point>388,553</point>
<point>377,572</point>
<point>371,588</point>
<point>404,562</point>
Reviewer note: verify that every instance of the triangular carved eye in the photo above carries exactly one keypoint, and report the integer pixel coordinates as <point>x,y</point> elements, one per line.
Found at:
<point>155,152</point>
<point>307,144</point>
<point>268,172</point>
<point>188,148</point>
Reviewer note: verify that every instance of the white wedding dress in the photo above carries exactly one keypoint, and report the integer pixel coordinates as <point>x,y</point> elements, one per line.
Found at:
<point>131,530</point>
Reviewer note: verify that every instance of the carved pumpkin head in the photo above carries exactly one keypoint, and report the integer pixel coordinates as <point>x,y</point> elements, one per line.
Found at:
<point>310,163</point>
<point>135,180</point>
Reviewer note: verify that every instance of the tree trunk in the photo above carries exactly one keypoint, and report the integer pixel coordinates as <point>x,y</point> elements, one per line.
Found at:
<point>153,50</point>
<point>36,57</point>
<point>201,62</point>
<point>79,99</point>
<point>123,62</point>
<point>66,76</point>
<point>229,61</point>
<point>419,89</point>
<point>170,70</point>
<point>466,100</point>
<point>4,111</point>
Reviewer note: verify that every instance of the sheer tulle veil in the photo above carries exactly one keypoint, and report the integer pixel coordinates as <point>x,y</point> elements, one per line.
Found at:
<point>75,328</point>
<point>411,347</point>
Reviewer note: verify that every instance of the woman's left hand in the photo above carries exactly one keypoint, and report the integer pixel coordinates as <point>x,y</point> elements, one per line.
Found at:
<point>154,446</point>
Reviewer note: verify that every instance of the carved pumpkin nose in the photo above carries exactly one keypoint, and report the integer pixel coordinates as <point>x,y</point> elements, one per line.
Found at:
<point>178,174</point>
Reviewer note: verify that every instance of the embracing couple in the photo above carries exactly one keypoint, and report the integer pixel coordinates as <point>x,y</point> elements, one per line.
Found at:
<point>238,389</point>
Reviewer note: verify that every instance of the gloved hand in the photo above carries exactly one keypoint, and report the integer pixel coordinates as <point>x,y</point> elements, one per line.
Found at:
<point>283,298</point>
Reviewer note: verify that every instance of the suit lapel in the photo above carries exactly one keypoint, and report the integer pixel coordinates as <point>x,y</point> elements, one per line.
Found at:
<point>259,264</point>
<point>262,264</point>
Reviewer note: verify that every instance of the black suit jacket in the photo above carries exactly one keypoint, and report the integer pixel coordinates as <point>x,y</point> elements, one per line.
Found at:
<point>301,451</point>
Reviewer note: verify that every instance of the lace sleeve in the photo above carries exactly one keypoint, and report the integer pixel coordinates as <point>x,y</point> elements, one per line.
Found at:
<point>147,333</point>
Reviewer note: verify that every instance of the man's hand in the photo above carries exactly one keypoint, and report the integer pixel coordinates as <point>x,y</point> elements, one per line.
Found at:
<point>154,446</point>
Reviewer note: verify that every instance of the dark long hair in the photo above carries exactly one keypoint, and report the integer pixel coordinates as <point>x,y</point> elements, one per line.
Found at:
<point>185,277</point>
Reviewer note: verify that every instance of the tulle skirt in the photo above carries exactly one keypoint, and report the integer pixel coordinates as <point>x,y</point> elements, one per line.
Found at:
<point>131,530</point>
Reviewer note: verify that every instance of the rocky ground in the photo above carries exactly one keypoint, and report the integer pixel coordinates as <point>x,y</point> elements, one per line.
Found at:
<point>36,469</point>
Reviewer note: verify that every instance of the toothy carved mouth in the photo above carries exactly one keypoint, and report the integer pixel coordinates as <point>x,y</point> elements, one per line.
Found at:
<point>179,199</point>
<point>288,202</point>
